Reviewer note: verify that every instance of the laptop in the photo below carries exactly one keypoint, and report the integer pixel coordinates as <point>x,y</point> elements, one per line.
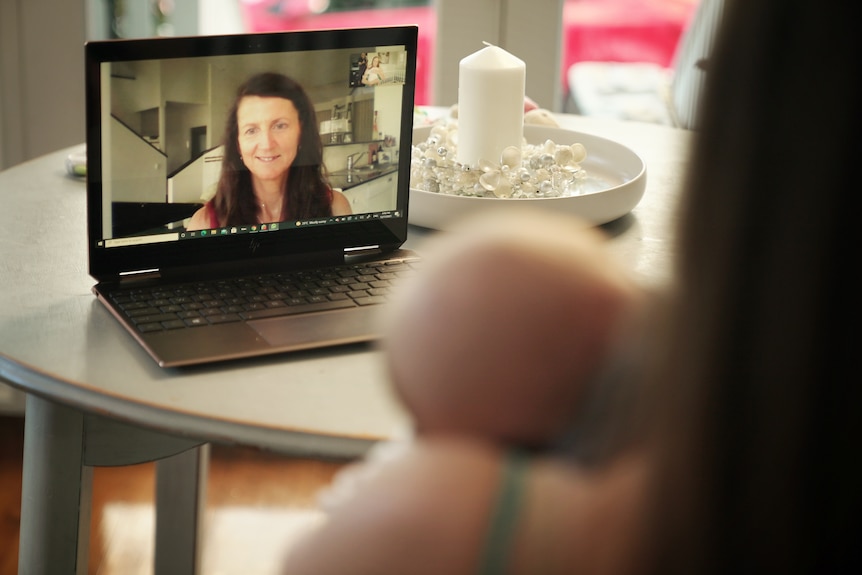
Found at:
<point>185,252</point>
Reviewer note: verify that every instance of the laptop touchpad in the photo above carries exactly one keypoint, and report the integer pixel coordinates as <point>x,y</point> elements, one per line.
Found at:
<point>314,330</point>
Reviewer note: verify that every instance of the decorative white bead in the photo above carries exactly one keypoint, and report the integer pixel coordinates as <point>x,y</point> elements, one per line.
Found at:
<point>490,180</point>
<point>540,117</point>
<point>579,152</point>
<point>511,157</point>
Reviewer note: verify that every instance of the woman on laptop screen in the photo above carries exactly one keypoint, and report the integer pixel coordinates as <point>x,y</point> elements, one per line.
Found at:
<point>272,169</point>
<point>374,74</point>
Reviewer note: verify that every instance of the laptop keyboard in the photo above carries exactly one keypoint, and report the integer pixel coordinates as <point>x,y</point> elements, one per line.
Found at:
<point>194,304</point>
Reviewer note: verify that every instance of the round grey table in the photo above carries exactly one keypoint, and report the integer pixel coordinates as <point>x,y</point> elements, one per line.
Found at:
<point>95,398</point>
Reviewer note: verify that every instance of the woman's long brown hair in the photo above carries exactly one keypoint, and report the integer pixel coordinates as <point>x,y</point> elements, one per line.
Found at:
<point>757,394</point>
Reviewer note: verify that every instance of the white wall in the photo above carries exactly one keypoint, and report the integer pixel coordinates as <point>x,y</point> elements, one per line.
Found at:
<point>139,170</point>
<point>41,77</point>
<point>42,68</point>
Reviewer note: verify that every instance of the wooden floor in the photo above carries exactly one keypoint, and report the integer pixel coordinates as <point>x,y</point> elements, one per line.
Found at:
<point>257,504</point>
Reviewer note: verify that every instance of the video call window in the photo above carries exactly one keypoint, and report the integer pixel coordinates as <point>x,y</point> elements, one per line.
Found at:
<point>163,135</point>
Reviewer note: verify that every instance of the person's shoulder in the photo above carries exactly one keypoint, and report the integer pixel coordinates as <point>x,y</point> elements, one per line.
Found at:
<point>433,481</point>
<point>578,519</point>
<point>436,505</point>
<point>340,204</point>
<point>423,511</point>
<point>200,219</point>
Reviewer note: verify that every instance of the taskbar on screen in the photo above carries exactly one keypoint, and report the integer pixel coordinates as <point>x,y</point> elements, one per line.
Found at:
<point>275,226</point>
<point>181,234</point>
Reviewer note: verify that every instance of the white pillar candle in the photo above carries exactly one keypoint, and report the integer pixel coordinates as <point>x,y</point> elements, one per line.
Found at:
<point>491,89</point>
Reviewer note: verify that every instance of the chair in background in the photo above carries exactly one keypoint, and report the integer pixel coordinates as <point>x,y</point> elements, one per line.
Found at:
<point>648,91</point>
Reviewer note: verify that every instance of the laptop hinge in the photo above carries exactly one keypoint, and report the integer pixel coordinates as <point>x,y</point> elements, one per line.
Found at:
<point>361,251</point>
<point>139,276</point>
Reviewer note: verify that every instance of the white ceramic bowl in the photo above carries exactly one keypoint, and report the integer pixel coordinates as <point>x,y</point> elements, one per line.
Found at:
<point>618,172</point>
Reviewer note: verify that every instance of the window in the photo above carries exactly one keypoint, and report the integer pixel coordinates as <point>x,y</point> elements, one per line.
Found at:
<point>550,35</point>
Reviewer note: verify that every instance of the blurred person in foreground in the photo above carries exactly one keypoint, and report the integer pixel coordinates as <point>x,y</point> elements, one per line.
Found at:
<point>740,453</point>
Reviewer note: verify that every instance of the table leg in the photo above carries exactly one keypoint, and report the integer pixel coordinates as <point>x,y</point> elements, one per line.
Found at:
<point>54,533</point>
<point>180,498</point>
<point>61,447</point>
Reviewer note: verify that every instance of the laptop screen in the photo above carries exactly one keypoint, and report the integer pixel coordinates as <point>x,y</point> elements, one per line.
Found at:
<point>212,149</point>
